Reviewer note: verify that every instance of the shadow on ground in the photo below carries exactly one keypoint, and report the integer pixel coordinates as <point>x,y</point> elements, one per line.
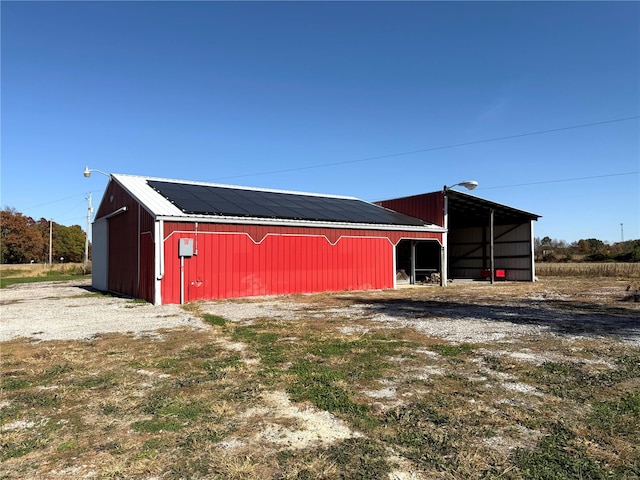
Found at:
<point>558,316</point>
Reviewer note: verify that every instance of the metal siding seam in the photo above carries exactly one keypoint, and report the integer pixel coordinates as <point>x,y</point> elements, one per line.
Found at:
<point>362,249</point>
<point>277,264</point>
<point>242,266</point>
<point>357,274</point>
<point>340,256</point>
<point>251,248</point>
<point>285,279</point>
<point>230,260</point>
<point>208,263</point>
<point>248,279</point>
<point>235,291</point>
<point>298,264</point>
<point>378,264</point>
<point>353,255</point>
<point>292,254</point>
<point>221,274</point>
<point>306,248</point>
<point>268,266</point>
<point>255,268</point>
<point>320,285</point>
<point>314,279</point>
<point>330,264</point>
<point>294,263</point>
<point>225,274</point>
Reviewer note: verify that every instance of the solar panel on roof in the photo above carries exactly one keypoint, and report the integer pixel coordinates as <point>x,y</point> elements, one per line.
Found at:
<point>215,200</point>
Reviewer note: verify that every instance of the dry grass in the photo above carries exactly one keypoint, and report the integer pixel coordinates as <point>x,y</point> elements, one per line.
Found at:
<point>37,272</point>
<point>245,400</point>
<point>593,270</point>
<point>27,270</point>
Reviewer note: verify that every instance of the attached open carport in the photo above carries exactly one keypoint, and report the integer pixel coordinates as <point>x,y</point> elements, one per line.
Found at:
<point>484,239</point>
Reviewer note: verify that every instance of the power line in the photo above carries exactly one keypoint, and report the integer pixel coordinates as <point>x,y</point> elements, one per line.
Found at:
<point>55,201</point>
<point>558,181</point>
<point>432,149</point>
<point>442,147</point>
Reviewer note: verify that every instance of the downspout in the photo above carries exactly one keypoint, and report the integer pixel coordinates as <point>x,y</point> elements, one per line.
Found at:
<point>395,264</point>
<point>159,260</point>
<point>161,243</point>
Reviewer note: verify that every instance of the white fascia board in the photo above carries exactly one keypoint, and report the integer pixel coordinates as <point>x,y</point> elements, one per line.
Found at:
<point>301,223</point>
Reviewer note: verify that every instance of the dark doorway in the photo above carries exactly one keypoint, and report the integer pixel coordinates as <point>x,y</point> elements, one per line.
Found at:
<point>426,261</point>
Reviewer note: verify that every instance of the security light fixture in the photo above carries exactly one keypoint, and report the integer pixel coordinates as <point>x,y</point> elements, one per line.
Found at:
<point>469,185</point>
<point>87,172</point>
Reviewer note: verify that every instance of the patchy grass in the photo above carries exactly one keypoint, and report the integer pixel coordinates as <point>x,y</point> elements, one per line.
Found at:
<point>6,282</point>
<point>214,320</point>
<point>199,403</point>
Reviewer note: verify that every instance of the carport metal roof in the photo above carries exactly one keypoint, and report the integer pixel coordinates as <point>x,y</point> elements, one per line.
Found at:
<point>469,211</point>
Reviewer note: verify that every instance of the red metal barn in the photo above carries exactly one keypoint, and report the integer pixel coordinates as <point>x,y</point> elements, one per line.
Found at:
<point>484,239</point>
<point>170,241</point>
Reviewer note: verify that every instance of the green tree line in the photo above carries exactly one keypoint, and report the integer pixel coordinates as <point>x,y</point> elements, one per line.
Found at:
<point>590,250</point>
<point>24,240</point>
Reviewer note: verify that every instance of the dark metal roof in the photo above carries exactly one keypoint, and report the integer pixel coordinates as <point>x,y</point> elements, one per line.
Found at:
<point>218,200</point>
<point>468,211</point>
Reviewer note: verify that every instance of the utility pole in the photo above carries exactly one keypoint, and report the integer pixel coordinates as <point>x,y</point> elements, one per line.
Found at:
<point>50,239</point>
<point>86,242</point>
<point>622,233</point>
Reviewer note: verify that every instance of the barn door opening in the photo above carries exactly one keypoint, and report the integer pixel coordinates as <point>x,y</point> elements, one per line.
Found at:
<point>417,261</point>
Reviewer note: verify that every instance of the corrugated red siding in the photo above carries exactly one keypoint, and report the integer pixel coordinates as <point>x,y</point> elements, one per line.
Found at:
<point>146,282</point>
<point>241,260</point>
<point>428,207</point>
<point>123,243</point>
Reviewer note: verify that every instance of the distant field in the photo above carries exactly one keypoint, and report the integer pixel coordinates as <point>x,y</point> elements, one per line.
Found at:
<point>626,270</point>
<point>39,272</point>
<point>29,270</point>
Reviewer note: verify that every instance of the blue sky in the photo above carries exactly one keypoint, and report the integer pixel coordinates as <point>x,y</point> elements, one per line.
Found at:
<point>324,97</point>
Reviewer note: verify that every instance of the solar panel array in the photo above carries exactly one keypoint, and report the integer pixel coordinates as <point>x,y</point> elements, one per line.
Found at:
<point>227,201</point>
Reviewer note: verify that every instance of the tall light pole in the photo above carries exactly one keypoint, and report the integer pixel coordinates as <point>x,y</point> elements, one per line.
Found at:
<point>444,261</point>
<point>87,173</point>
<point>86,241</point>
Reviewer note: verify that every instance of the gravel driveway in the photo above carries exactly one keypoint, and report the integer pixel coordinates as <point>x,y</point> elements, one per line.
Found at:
<point>73,311</point>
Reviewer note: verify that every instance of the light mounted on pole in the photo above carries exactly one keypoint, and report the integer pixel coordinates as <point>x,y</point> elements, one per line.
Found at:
<point>87,172</point>
<point>469,185</point>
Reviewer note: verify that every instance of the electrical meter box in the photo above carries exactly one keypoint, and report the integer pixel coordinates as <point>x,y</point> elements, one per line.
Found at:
<point>185,247</point>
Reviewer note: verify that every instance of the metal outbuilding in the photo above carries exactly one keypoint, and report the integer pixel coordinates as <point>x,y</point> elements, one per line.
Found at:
<point>174,241</point>
<point>484,239</point>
